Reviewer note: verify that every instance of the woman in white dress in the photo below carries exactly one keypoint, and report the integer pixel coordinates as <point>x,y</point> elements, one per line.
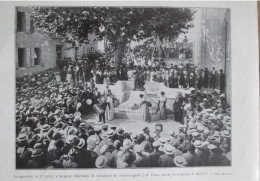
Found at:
<point>109,112</point>
<point>69,74</point>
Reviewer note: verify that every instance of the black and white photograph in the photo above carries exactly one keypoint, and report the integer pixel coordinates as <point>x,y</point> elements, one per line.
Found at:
<point>106,87</point>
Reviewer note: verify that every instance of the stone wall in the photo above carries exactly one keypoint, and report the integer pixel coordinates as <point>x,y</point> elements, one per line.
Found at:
<point>29,40</point>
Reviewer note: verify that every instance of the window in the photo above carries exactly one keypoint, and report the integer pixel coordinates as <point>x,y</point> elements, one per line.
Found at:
<point>20,21</point>
<point>31,26</point>
<point>21,57</point>
<point>37,56</point>
<point>58,52</point>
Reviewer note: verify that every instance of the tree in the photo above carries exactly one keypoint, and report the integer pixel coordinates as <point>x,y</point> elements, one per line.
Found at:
<point>120,25</point>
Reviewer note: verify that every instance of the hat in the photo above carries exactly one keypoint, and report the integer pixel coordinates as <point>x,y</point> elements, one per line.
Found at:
<point>225,133</point>
<point>198,144</point>
<point>72,131</point>
<point>81,143</point>
<point>180,161</point>
<point>111,133</point>
<point>22,138</point>
<point>228,125</point>
<point>70,138</point>
<point>192,89</point>
<point>204,122</point>
<point>126,144</point>
<point>228,155</point>
<point>38,146</point>
<point>156,144</point>
<point>195,134</point>
<point>162,141</point>
<point>77,113</point>
<point>133,136</point>
<point>60,125</point>
<point>103,149</point>
<point>36,153</point>
<point>220,116</point>
<point>79,105</point>
<point>82,125</point>
<point>94,138</point>
<point>101,162</point>
<point>91,145</point>
<point>105,127</point>
<point>46,127</point>
<point>25,130</point>
<point>72,153</point>
<point>37,137</point>
<point>120,131</point>
<point>181,127</point>
<point>212,146</point>
<point>168,149</point>
<point>103,136</point>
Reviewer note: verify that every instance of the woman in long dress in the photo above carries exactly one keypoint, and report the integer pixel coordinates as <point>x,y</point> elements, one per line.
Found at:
<point>144,107</point>
<point>162,106</point>
<point>69,74</point>
<point>109,112</point>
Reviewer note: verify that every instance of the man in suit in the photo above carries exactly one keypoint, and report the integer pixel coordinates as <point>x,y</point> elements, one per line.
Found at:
<point>103,105</point>
<point>206,77</point>
<point>177,107</point>
<point>213,78</point>
<point>221,81</point>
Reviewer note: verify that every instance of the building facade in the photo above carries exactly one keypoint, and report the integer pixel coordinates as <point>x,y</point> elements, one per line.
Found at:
<point>35,52</point>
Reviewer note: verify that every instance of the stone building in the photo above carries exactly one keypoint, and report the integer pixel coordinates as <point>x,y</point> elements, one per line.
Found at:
<point>35,52</point>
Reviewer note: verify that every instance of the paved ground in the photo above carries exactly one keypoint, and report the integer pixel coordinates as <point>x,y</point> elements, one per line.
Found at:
<point>134,125</point>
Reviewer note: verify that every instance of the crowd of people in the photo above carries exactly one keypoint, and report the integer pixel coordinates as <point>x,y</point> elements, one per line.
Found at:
<point>51,132</point>
<point>142,69</point>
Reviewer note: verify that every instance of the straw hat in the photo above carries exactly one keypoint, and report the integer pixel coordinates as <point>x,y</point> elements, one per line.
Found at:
<point>180,161</point>
<point>101,162</point>
<point>81,143</point>
<point>168,149</point>
<point>198,144</point>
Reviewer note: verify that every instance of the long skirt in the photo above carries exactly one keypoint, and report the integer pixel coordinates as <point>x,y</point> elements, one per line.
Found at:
<point>146,114</point>
<point>109,113</point>
<point>163,112</point>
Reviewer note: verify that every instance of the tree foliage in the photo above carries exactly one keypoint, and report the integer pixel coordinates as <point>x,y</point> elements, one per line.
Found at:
<point>120,25</point>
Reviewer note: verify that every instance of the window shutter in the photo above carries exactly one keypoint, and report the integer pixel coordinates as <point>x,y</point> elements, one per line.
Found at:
<point>28,57</point>
<point>27,23</point>
<point>43,56</point>
<point>16,58</point>
<point>32,57</point>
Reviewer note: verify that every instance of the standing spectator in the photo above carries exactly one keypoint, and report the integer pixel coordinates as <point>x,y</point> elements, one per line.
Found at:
<point>162,106</point>
<point>177,107</point>
<point>222,81</point>
<point>206,77</point>
<point>213,78</point>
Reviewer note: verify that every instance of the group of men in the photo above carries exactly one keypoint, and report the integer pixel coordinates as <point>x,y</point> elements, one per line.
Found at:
<point>52,134</point>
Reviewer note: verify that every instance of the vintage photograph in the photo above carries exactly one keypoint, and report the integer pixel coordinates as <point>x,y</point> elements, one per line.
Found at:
<point>122,87</point>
